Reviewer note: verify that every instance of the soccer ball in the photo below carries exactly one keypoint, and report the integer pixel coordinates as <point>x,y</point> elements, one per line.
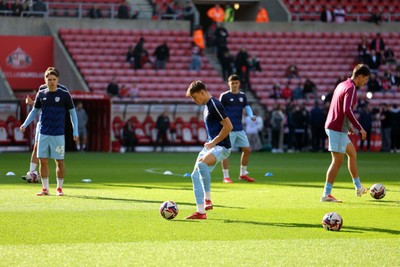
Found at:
<point>32,177</point>
<point>332,221</point>
<point>169,210</point>
<point>377,191</point>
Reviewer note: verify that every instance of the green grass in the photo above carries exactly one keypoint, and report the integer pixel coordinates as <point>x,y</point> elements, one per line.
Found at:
<point>114,221</point>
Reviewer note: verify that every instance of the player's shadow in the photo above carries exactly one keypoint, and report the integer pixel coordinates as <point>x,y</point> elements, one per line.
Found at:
<point>350,229</point>
<point>144,201</point>
<point>150,187</point>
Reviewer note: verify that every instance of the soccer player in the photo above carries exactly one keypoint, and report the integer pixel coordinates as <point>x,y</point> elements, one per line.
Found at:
<point>216,149</point>
<point>338,125</point>
<point>53,102</point>
<point>28,100</point>
<point>234,102</point>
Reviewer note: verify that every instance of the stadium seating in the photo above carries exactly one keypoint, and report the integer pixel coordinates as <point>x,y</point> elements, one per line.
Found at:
<point>321,57</point>
<point>309,10</point>
<point>100,54</point>
<point>4,137</point>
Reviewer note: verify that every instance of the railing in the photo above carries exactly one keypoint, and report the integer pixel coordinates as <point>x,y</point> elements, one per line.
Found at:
<point>357,17</point>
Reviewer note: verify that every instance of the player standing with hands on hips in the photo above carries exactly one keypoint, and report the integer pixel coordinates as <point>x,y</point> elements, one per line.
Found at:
<point>338,125</point>
<point>216,149</point>
<point>53,102</point>
<point>234,102</point>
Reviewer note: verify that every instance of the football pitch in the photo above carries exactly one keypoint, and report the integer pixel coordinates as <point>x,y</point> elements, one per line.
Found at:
<point>276,221</point>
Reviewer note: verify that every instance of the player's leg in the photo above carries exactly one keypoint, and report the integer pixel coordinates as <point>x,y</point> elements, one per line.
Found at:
<point>243,142</point>
<point>352,166</point>
<point>225,162</point>
<point>57,152</point>
<point>60,173</point>
<point>43,154</point>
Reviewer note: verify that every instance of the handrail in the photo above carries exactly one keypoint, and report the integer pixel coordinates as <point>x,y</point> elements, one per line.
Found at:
<point>388,17</point>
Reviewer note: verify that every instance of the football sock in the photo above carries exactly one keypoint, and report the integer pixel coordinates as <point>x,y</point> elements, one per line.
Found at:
<point>45,183</point>
<point>78,147</point>
<point>243,170</point>
<point>200,208</point>
<point>357,183</point>
<point>197,187</point>
<point>208,195</point>
<point>32,167</point>
<point>60,182</point>
<point>205,175</point>
<point>226,173</point>
<point>327,189</point>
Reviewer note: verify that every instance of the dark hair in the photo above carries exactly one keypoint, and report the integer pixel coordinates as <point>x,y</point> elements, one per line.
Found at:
<point>195,87</point>
<point>361,69</point>
<point>52,71</point>
<point>234,77</point>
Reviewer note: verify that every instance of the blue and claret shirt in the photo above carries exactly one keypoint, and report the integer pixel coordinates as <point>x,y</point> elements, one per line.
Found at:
<point>54,106</point>
<point>214,113</point>
<point>234,105</point>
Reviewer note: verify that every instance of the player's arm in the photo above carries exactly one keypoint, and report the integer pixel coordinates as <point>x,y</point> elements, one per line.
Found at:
<point>29,119</point>
<point>226,129</point>
<point>250,113</point>
<point>29,101</point>
<point>74,121</point>
<point>348,111</point>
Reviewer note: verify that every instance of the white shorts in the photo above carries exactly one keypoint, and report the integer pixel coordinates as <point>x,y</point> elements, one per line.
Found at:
<point>337,141</point>
<point>239,139</point>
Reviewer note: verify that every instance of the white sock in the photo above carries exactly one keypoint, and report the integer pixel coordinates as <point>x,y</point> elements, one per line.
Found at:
<point>78,147</point>
<point>60,182</point>
<point>45,183</point>
<point>32,167</point>
<point>243,170</point>
<point>200,208</point>
<point>226,173</point>
<point>208,195</point>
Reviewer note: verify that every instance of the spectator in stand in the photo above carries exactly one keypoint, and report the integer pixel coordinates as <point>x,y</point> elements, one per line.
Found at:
<point>255,63</point>
<point>300,121</point>
<point>161,54</point>
<point>123,10</point>
<point>374,61</point>
<point>374,84</point>
<point>365,120</point>
<point>189,14</point>
<point>39,6</point>
<point>252,129</point>
<point>362,101</point>
<point>129,137</point>
<point>277,125</point>
<point>17,8</point>
<point>386,127</point>
<point>130,57</point>
<point>210,35</point>
<point>339,14</point>
<point>216,13</point>
<point>340,79</point>
<point>113,88</point>
<point>395,119</point>
<point>309,88</point>
<point>4,6</point>
<point>140,54</point>
<point>221,37</point>
<point>171,11</point>
<point>243,68</point>
<point>363,50</point>
<point>276,91</point>
<point>376,17</point>
<point>196,62</point>
<point>82,131</point>
<point>229,13</point>
<point>298,91</point>
<point>389,57</point>
<point>397,78</point>
<point>95,12</point>
<point>317,123</point>
<point>378,45</point>
<point>227,65</point>
<point>162,126</point>
<point>326,14</point>
<point>287,92</point>
<point>387,81</point>
<point>292,71</point>
<point>262,15</point>
<point>198,37</point>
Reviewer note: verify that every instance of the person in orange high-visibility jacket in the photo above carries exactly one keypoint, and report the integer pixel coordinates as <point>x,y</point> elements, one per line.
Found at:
<point>216,13</point>
<point>198,37</point>
<point>262,15</point>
